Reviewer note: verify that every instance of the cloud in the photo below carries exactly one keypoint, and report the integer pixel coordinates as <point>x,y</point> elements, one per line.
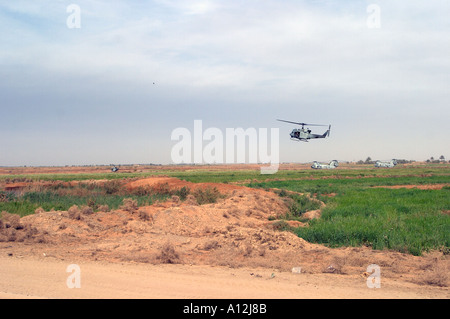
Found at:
<point>191,7</point>
<point>232,63</point>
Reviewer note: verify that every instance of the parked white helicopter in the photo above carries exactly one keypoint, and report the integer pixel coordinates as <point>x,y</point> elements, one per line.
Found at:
<point>389,164</point>
<point>331,165</point>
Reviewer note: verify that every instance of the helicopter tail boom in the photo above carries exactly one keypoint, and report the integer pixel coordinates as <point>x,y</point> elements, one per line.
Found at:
<point>324,135</point>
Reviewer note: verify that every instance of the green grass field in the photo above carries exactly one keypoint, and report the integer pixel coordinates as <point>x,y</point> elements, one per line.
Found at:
<point>356,213</point>
<point>62,197</point>
<point>405,220</point>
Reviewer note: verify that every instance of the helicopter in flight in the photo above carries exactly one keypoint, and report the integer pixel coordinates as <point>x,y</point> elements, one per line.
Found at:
<point>333,164</point>
<point>114,169</point>
<point>304,134</point>
<point>389,164</point>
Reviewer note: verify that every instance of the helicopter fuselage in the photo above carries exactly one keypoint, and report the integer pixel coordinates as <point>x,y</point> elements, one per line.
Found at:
<point>300,134</point>
<point>333,164</point>
<point>386,164</point>
<point>305,134</point>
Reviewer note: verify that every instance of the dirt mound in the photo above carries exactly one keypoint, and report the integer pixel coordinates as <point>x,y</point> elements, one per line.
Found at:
<point>234,226</point>
<point>236,231</point>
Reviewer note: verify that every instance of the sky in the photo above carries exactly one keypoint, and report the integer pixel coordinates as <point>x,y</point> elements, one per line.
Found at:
<point>107,82</point>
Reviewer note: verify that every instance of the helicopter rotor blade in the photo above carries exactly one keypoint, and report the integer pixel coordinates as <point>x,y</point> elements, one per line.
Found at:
<point>299,123</point>
<point>292,122</point>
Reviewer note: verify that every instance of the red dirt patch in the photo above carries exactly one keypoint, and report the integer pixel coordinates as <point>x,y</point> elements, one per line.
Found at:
<point>424,186</point>
<point>175,183</point>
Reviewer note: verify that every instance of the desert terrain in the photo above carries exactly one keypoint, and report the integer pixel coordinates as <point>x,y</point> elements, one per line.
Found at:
<point>232,248</point>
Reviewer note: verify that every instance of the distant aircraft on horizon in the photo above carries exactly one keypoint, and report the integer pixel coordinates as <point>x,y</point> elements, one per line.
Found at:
<point>389,164</point>
<point>333,164</point>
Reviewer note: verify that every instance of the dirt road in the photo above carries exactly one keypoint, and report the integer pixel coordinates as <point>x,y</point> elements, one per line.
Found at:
<point>47,277</point>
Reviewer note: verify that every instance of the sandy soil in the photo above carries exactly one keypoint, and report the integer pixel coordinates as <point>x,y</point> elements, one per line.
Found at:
<point>229,249</point>
<point>46,277</point>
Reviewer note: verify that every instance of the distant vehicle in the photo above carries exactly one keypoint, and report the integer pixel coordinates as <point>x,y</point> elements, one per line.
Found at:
<point>304,134</point>
<point>389,164</point>
<point>333,164</point>
<point>114,169</point>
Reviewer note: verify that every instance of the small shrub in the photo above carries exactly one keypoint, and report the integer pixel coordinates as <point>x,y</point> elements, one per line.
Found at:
<point>162,189</point>
<point>144,216</point>
<point>103,208</point>
<point>212,244</point>
<point>92,204</point>
<point>11,220</point>
<point>112,187</point>
<point>191,200</point>
<point>183,192</point>
<point>168,254</point>
<point>282,193</point>
<point>39,210</point>
<point>207,196</point>
<point>74,212</point>
<point>129,205</point>
<point>141,191</point>
<point>87,210</point>
<point>280,225</point>
<point>438,276</point>
<point>3,197</point>
<point>175,199</point>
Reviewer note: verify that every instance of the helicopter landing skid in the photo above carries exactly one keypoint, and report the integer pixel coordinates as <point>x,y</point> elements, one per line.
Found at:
<point>299,139</point>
